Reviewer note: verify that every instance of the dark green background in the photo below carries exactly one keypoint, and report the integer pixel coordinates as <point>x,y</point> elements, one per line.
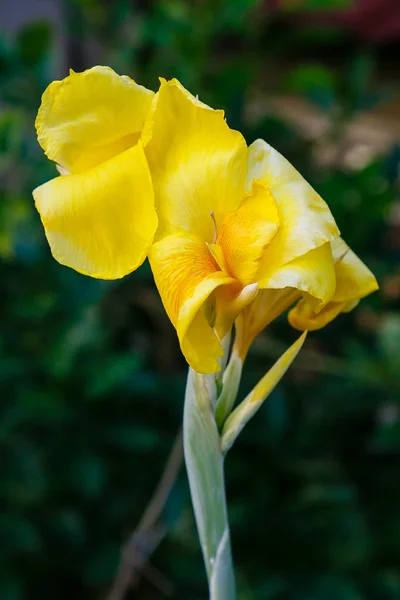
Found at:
<point>91,376</point>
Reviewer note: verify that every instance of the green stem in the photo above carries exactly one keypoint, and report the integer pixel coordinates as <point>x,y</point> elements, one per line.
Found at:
<point>230,387</point>
<point>204,463</point>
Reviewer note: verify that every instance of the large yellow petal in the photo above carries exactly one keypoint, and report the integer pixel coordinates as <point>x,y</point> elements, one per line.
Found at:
<point>246,232</point>
<point>198,164</point>
<point>186,275</point>
<point>101,222</point>
<point>312,275</point>
<point>89,117</point>
<point>305,220</point>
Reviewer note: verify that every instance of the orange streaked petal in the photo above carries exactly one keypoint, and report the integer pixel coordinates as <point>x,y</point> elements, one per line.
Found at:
<point>264,309</point>
<point>247,231</point>
<point>186,275</point>
<point>230,301</point>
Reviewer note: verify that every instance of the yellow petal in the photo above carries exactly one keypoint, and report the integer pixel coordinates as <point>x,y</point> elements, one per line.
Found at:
<point>354,279</point>
<point>246,232</point>
<point>303,316</point>
<point>350,305</point>
<point>264,309</point>
<point>186,274</point>
<point>305,219</point>
<point>101,222</point>
<point>89,117</point>
<point>312,274</point>
<point>198,164</point>
<point>230,301</point>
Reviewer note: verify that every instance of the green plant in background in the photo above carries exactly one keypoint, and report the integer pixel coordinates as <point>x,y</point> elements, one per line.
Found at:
<point>327,447</point>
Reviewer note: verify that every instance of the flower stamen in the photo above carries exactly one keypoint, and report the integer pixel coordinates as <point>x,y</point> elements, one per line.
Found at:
<point>215,226</point>
<point>341,257</point>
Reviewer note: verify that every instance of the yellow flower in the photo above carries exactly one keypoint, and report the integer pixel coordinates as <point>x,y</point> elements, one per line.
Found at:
<point>99,215</point>
<point>353,281</point>
<point>232,220</point>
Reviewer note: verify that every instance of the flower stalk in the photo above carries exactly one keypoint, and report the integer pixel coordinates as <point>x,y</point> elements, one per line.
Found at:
<point>204,463</point>
<point>205,416</point>
<point>230,387</point>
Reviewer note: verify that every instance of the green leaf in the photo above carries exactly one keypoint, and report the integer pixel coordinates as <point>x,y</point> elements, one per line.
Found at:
<point>253,401</point>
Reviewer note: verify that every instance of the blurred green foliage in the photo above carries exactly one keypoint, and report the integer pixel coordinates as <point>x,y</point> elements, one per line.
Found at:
<point>91,376</point>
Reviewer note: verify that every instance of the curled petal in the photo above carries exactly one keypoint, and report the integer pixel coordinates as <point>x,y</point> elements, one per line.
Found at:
<point>353,281</point>
<point>312,274</point>
<point>305,219</point>
<point>89,117</point>
<point>101,222</point>
<point>198,163</point>
<point>303,316</point>
<point>230,301</point>
<point>186,275</point>
<point>246,232</point>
